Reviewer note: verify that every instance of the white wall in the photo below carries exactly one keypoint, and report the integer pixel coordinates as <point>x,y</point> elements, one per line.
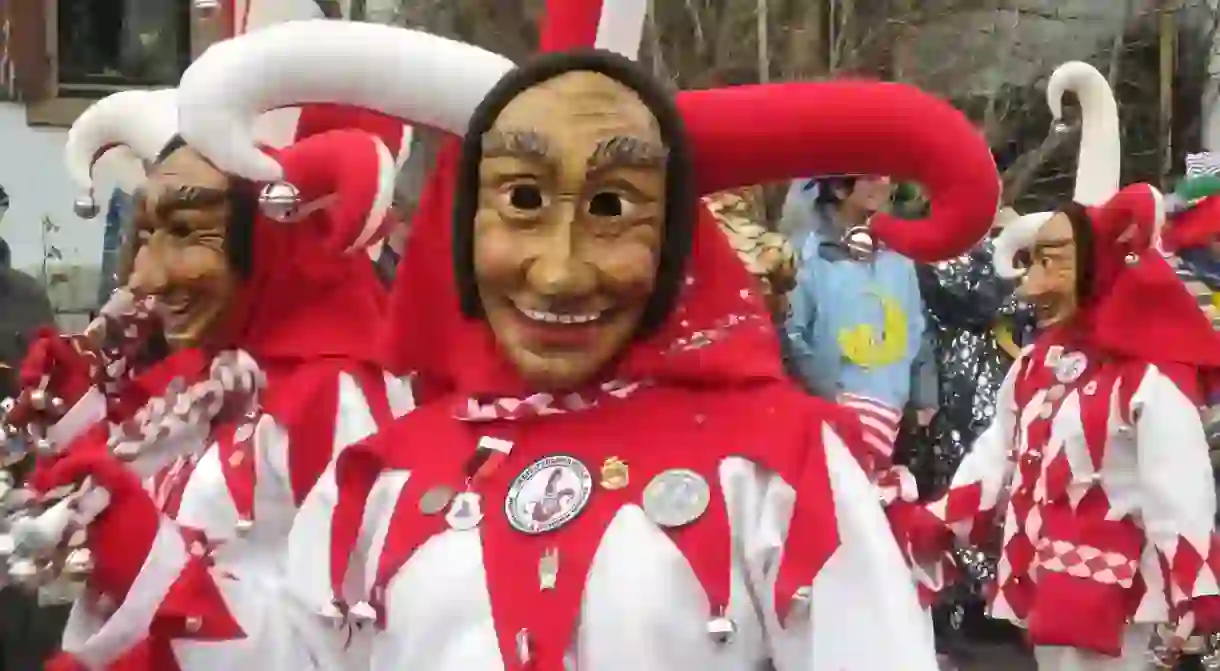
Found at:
<point>32,172</point>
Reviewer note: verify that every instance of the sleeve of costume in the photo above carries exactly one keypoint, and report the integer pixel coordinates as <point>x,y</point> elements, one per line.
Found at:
<point>917,325</point>
<point>798,328</point>
<point>969,507</point>
<point>864,614</point>
<point>165,579</point>
<point>925,382</point>
<point>1175,476</point>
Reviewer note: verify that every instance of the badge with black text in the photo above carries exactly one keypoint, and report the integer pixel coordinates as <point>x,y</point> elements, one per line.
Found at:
<point>548,494</point>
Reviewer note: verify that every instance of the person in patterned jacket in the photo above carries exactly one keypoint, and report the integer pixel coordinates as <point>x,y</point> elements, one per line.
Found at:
<point>1095,466</point>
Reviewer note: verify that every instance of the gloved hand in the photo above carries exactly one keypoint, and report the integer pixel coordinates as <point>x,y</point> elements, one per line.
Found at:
<point>66,371</point>
<point>121,536</point>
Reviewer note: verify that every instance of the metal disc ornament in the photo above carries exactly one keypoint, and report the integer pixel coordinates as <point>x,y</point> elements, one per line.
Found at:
<point>676,498</point>
<point>548,494</point>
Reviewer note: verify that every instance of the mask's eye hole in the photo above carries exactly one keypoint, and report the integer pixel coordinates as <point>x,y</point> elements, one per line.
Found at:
<point>1022,260</point>
<point>607,204</point>
<point>526,197</point>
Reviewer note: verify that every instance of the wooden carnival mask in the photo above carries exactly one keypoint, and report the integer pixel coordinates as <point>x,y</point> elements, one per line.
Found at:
<point>569,225</point>
<point>1051,280</point>
<point>181,223</point>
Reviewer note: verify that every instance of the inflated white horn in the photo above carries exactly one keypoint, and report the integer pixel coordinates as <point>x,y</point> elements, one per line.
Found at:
<point>1017,234</point>
<point>1098,171</point>
<point>420,78</point>
<point>142,121</point>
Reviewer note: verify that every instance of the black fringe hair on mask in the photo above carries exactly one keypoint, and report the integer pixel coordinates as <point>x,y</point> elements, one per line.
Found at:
<point>681,202</point>
<point>243,209</point>
<point>1082,234</point>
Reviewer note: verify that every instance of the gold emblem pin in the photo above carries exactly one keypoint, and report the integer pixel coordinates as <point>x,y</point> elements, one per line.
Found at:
<point>614,473</point>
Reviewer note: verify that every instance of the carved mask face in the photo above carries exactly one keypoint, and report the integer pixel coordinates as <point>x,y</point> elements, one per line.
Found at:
<point>569,226</point>
<point>182,217</point>
<point>1050,283</point>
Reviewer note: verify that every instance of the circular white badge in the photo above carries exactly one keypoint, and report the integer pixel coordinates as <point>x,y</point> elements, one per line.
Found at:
<point>548,494</point>
<point>1071,367</point>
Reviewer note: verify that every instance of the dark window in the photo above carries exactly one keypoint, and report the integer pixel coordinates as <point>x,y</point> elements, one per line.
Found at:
<point>122,42</point>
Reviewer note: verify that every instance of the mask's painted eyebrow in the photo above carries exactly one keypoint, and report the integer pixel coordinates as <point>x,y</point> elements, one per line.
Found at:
<point>515,144</point>
<point>1052,245</point>
<point>627,152</point>
<point>189,198</point>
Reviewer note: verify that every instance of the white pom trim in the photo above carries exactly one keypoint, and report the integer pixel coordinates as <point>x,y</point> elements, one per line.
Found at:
<point>1016,236</point>
<point>621,27</point>
<point>420,78</point>
<point>143,121</point>
<point>387,172</point>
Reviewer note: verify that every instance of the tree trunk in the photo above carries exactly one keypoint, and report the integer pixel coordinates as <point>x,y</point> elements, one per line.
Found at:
<point>764,44</point>
<point>1168,46</point>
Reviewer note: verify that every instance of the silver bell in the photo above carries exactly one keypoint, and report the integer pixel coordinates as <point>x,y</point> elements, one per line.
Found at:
<point>38,399</point>
<point>362,614</point>
<point>279,200</point>
<point>1060,126</point>
<point>721,629</point>
<point>334,613</point>
<point>58,404</point>
<point>86,207</point>
<point>859,242</point>
<point>79,564</point>
<point>244,526</point>
<point>1131,259</point>
<point>44,447</point>
<point>207,6</point>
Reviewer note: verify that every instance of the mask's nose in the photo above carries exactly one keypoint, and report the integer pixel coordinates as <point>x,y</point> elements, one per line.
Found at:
<point>149,276</point>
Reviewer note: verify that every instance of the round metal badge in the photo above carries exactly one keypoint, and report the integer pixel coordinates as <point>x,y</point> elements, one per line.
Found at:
<point>1070,367</point>
<point>676,497</point>
<point>548,494</point>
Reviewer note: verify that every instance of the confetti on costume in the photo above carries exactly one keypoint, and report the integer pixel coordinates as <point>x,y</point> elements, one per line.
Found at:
<point>708,360</point>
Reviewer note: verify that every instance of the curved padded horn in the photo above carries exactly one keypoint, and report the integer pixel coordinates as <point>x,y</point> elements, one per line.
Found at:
<point>1098,171</point>
<point>1017,235</point>
<point>143,121</point>
<point>414,76</point>
<point>748,135</point>
<point>612,25</point>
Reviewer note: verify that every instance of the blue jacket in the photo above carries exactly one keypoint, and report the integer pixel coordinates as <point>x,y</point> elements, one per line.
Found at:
<point>855,326</point>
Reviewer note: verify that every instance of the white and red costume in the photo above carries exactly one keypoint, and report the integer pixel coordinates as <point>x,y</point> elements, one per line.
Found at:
<point>791,564</point>
<point>190,569</point>
<point>1095,469</point>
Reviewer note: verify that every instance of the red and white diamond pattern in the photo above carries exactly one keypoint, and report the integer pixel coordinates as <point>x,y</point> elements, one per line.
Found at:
<point>1084,561</point>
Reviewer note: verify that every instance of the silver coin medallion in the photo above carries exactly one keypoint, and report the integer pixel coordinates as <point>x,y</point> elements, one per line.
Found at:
<point>676,497</point>
<point>548,494</point>
<point>436,499</point>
